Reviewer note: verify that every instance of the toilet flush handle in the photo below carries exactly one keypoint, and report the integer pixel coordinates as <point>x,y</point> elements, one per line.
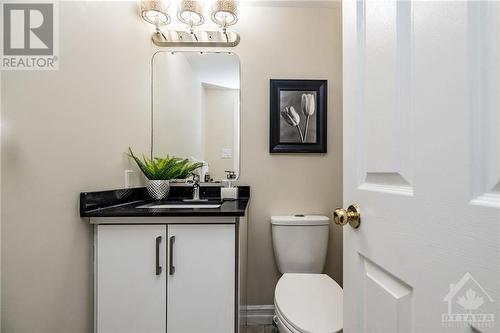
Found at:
<point>352,216</point>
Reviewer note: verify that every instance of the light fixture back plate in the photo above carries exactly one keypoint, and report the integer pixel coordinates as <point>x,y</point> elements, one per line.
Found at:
<point>176,38</point>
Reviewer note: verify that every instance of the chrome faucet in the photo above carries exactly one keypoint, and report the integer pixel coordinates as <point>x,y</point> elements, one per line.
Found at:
<point>196,187</point>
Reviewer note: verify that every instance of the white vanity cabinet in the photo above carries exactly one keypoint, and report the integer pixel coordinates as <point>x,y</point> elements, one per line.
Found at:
<point>129,295</point>
<point>201,290</point>
<point>168,277</point>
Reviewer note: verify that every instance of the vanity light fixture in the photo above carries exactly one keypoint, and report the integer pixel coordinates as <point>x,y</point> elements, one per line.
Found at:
<point>190,13</point>
<point>225,13</point>
<point>155,12</point>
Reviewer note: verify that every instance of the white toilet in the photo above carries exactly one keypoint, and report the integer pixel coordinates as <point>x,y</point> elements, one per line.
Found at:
<point>305,300</point>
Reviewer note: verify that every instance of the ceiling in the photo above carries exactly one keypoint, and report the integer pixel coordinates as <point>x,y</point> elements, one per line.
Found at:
<point>216,69</point>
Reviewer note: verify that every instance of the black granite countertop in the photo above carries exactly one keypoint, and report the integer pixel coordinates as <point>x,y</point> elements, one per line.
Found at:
<point>124,203</point>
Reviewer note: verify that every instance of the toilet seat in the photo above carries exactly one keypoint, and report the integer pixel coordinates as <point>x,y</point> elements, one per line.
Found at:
<point>309,303</point>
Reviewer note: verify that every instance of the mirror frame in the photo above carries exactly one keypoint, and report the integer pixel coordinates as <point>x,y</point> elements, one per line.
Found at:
<point>152,100</point>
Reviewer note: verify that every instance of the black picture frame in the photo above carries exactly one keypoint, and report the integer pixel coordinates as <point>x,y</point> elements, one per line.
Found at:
<point>320,88</point>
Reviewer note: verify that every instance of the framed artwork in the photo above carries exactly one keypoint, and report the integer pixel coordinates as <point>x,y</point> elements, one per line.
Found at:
<point>298,116</point>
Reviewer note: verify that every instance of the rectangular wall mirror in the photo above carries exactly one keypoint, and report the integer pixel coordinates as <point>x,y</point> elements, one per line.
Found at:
<point>196,109</point>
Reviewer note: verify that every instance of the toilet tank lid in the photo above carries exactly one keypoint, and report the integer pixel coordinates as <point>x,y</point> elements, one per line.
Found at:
<point>300,220</point>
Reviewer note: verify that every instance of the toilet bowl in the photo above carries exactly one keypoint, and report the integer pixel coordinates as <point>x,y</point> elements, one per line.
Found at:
<point>305,300</point>
<point>308,303</point>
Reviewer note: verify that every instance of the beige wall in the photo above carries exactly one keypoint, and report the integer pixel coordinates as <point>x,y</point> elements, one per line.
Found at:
<point>66,131</point>
<point>294,43</point>
<point>1,130</point>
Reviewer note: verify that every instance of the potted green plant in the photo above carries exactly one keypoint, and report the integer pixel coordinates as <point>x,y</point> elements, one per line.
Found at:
<point>160,171</point>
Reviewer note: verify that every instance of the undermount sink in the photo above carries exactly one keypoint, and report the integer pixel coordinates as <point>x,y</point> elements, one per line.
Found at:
<point>180,206</point>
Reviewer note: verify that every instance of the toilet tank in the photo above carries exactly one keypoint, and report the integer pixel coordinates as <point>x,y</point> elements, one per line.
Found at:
<point>300,243</point>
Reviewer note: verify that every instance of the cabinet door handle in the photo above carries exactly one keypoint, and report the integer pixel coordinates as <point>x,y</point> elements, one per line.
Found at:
<point>171,268</point>
<point>158,266</point>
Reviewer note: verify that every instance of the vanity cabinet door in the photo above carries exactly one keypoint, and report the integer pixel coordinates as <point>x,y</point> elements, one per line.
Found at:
<point>130,278</point>
<point>201,280</point>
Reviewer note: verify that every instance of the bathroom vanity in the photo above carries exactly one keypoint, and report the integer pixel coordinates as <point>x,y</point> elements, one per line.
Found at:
<point>167,269</point>
<point>178,266</point>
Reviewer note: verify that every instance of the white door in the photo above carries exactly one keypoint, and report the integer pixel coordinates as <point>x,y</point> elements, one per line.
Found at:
<point>422,161</point>
<point>201,280</point>
<point>130,279</point>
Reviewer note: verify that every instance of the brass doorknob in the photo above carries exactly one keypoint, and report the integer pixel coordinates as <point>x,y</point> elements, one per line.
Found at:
<point>352,216</point>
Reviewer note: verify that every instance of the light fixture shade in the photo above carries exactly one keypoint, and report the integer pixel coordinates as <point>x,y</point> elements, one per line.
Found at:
<point>225,12</point>
<point>191,12</point>
<point>155,12</point>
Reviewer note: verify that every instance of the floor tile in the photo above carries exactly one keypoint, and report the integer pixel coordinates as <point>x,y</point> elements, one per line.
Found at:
<point>260,329</point>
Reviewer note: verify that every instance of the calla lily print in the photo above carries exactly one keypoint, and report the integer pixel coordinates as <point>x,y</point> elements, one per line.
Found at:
<point>293,118</point>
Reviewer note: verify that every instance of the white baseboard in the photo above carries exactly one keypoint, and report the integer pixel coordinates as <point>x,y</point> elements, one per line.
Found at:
<point>259,314</point>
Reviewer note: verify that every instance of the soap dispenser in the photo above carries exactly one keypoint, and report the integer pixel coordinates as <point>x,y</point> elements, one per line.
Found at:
<point>228,191</point>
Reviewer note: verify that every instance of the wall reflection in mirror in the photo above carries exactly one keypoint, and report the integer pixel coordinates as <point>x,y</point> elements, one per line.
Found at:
<point>196,110</point>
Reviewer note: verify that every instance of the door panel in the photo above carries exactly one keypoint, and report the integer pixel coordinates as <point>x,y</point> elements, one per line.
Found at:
<point>383,143</point>
<point>384,40</point>
<point>201,290</point>
<point>485,67</point>
<point>386,297</point>
<point>130,294</point>
<point>421,159</point>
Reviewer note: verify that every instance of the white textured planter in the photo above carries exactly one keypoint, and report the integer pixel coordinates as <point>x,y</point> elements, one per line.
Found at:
<point>158,189</point>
